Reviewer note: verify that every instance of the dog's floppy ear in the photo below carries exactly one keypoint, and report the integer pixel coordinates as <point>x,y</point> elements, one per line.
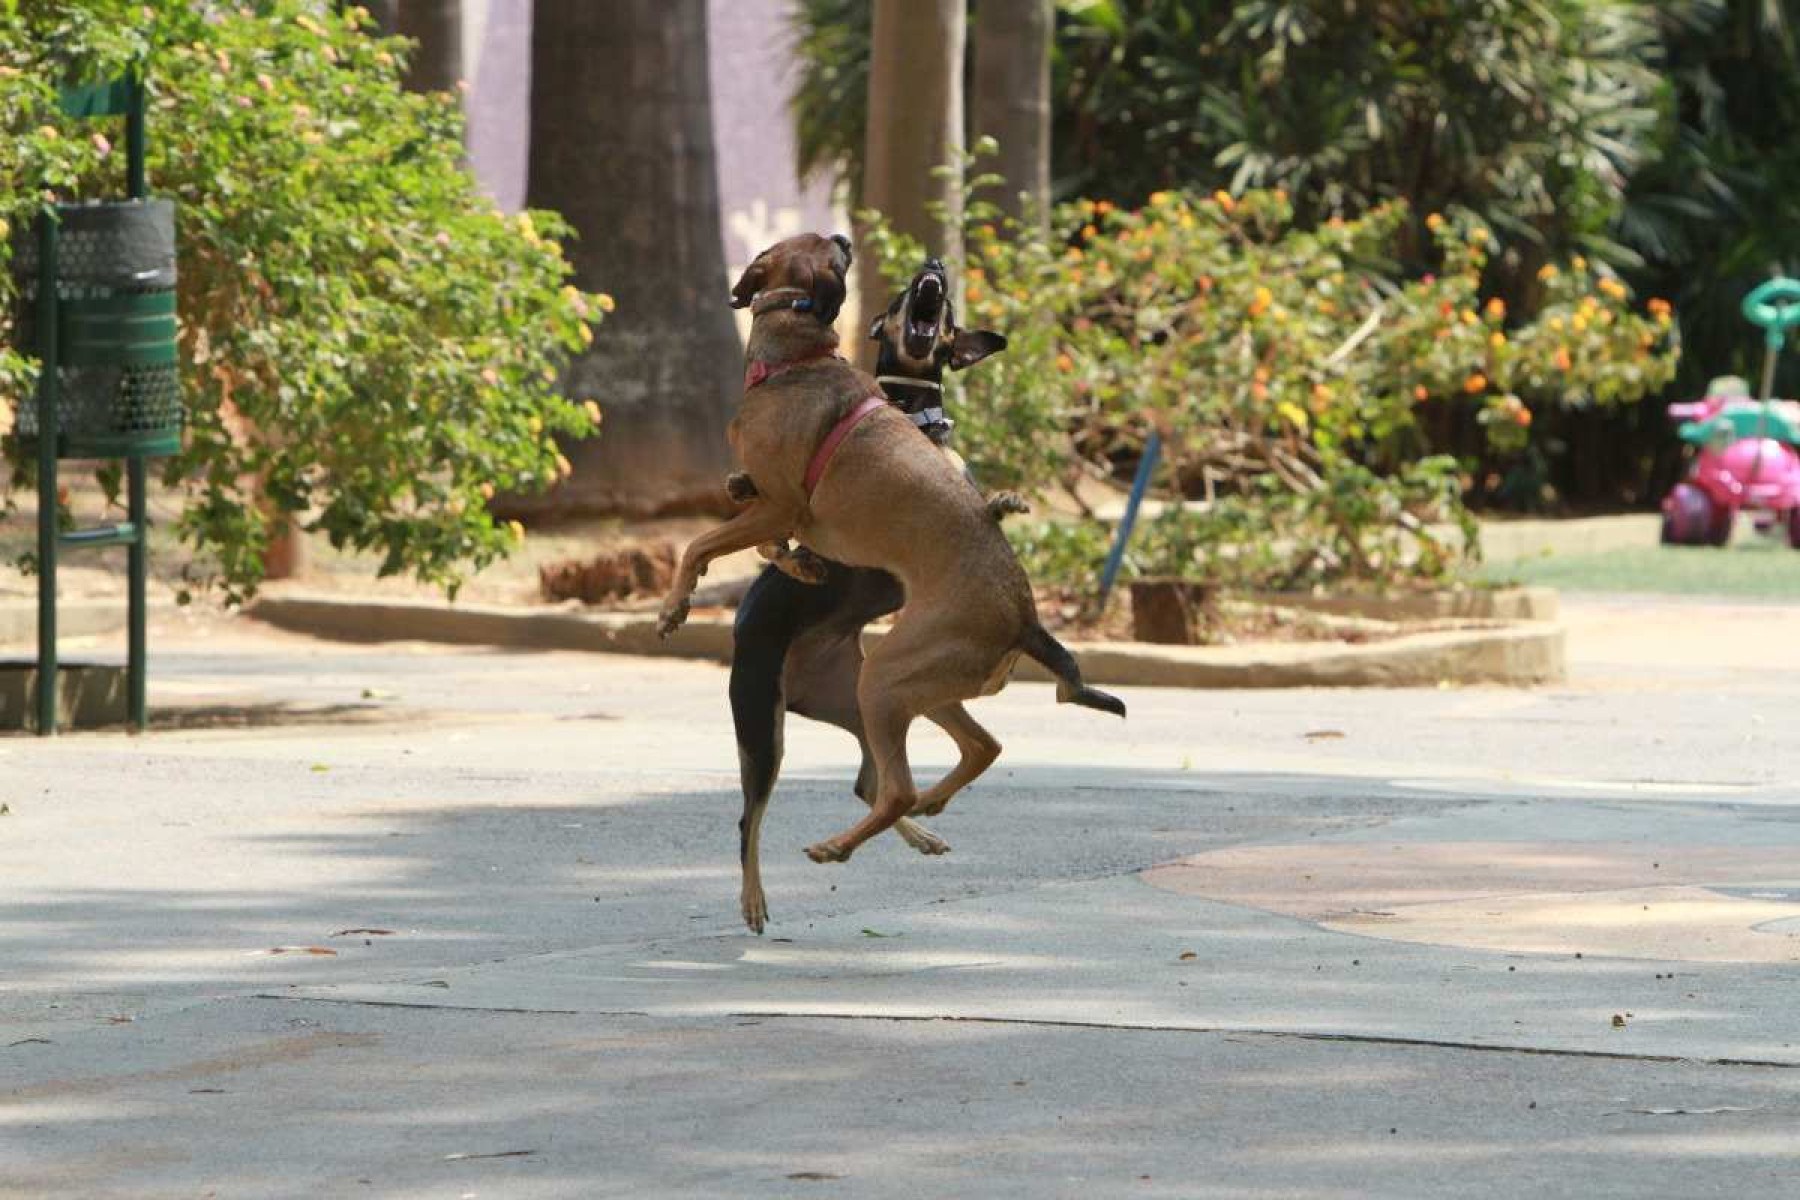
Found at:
<point>828,281</point>
<point>972,345</point>
<point>751,282</point>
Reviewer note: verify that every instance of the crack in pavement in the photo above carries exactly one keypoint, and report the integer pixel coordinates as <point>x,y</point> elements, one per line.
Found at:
<point>1048,1023</point>
<point>480,1008</point>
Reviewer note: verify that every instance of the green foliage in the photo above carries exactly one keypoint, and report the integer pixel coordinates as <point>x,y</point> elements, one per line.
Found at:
<point>1655,136</point>
<point>1531,113</point>
<point>366,341</point>
<point>830,103</point>
<point>1719,208</point>
<point>1284,367</point>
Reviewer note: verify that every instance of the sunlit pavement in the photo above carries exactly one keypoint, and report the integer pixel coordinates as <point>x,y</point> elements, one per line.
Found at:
<point>409,920</point>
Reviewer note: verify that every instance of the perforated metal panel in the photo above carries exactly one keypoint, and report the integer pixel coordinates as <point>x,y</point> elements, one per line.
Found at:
<point>119,384</point>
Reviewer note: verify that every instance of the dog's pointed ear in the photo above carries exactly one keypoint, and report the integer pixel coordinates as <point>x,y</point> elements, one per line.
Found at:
<point>751,281</point>
<point>972,345</point>
<point>843,243</point>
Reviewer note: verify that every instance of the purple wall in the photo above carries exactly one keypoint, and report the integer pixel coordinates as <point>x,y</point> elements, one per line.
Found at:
<point>751,70</point>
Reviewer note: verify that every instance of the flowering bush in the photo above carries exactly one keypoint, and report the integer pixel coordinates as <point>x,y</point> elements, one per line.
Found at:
<point>1285,369</point>
<point>365,340</point>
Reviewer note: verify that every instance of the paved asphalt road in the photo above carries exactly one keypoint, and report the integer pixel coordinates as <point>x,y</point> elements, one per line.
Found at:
<point>411,921</point>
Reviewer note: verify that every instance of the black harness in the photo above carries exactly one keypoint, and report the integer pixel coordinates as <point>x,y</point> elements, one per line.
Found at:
<point>922,400</point>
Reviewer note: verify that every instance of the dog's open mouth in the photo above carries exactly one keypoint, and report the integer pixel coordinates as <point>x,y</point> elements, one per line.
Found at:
<point>924,313</point>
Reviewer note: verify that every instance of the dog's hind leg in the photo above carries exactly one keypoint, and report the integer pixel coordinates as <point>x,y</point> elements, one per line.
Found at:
<point>913,671</point>
<point>761,635</point>
<point>887,723</point>
<point>979,750</point>
<point>822,670</point>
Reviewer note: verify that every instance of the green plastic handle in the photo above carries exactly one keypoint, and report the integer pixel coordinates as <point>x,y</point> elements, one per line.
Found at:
<point>1775,306</point>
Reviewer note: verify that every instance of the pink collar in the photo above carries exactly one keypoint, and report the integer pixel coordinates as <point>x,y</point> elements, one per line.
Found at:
<point>815,470</point>
<point>759,372</point>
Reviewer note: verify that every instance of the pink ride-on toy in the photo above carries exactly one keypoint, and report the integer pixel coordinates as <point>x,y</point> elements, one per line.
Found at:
<point>1749,449</point>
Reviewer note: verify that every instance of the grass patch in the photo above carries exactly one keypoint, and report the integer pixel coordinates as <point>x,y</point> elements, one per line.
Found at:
<point>1753,567</point>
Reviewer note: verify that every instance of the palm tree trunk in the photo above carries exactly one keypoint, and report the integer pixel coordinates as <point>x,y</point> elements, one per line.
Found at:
<point>437,65</point>
<point>915,126</point>
<point>622,146</point>
<point>1011,100</point>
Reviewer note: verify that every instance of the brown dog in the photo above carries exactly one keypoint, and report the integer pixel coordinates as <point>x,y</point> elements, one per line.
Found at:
<point>854,480</point>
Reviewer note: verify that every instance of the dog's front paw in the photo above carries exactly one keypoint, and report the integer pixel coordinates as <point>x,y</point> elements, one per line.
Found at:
<point>674,613</point>
<point>1003,504</point>
<point>802,564</point>
<point>741,488</point>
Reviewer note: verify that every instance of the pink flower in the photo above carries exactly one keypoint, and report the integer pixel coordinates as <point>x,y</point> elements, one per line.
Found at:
<point>102,145</point>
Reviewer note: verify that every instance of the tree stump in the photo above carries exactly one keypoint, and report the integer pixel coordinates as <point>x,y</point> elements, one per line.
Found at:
<point>1172,612</point>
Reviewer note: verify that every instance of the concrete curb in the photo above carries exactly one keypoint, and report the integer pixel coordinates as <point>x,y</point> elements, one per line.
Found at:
<point>1522,653</point>
<point>1484,604</point>
<point>88,696</point>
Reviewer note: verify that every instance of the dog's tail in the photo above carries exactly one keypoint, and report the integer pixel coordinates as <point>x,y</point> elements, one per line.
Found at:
<point>1036,643</point>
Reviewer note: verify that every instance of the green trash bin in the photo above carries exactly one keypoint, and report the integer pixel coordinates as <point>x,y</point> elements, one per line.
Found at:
<point>97,284</point>
<point>118,387</point>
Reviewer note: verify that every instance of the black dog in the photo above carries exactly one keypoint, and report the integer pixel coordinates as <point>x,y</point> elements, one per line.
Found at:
<point>797,644</point>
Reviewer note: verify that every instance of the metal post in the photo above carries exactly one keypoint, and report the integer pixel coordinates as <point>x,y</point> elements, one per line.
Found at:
<point>136,670</point>
<point>1139,485</point>
<point>48,272</point>
<point>136,186</point>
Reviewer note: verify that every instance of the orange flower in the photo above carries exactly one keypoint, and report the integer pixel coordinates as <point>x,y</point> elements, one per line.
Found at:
<point>1496,309</point>
<point>1064,363</point>
<point>1523,416</point>
<point>1420,394</point>
<point>1563,361</point>
<point>1475,383</point>
<point>1259,303</point>
<point>1223,199</point>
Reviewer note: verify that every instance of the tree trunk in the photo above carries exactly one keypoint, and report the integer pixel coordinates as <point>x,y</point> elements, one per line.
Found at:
<point>1011,101</point>
<point>915,126</point>
<point>386,14</point>
<point>437,64</point>
<point>622,146</point>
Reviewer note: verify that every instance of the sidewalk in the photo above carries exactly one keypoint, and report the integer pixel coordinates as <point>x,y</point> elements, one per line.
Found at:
<point>413,920</point>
